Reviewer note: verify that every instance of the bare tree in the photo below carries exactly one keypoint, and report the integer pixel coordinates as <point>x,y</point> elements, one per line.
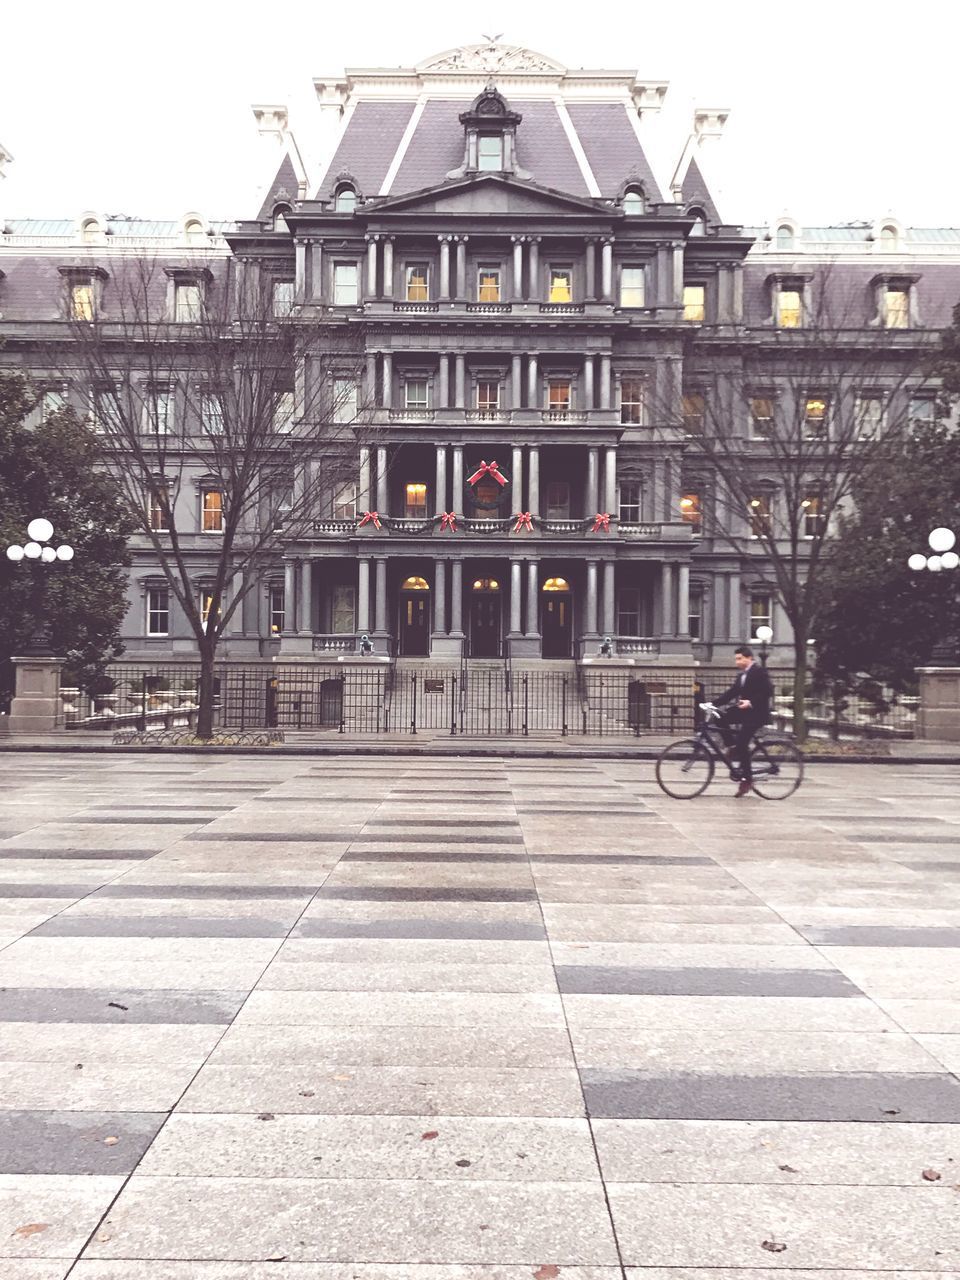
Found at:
<point>207,377</point>
<point>779,424</point>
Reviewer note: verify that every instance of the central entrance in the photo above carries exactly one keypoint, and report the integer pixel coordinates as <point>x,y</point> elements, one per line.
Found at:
<point>485,618</point>
<point>556,618</point>
<point>414,622</point>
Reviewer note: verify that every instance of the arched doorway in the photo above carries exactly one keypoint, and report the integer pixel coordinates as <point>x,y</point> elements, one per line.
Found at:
<point>556,618</point>
<point>485,618</point>
<point>413,629</point>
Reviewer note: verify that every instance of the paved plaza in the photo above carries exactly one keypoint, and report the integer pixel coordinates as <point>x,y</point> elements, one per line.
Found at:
<point>302,1018</point>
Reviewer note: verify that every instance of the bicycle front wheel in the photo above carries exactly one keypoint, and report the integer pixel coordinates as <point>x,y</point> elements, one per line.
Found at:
<point>684,769</point>
<point>777,768</point>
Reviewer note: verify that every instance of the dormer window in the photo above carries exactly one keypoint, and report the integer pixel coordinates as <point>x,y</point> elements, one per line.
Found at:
<point>490,130</point>
<point>280,217</point>
<point>633,202</point>
<point>490,152</point>
<point>784,237</point>
<point>888,238</point>
<point>345,200</point>
<point>699,227</point>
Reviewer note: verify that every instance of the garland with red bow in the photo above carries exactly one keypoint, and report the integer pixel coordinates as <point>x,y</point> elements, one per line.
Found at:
<point>448,520</point>
<point>370,517</point>
<point>524,521</point>
<point>601,522</point>
<point>487,469</point>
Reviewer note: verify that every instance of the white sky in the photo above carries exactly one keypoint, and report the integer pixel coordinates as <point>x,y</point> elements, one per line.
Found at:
<point>839,110</point>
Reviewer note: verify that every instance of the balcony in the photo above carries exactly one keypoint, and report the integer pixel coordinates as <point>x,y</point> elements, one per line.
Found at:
<point>489,308</point>
<point>412,415</point>
<point>561,308</point>
<point>488,415</point>
<point>335,528</point>
<point>562,415</point>
<point>417,308</point>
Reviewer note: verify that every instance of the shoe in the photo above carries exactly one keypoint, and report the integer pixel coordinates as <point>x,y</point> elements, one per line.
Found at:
<point>744,789</point>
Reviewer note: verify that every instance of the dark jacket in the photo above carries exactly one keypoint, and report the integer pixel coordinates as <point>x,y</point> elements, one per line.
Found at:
<point>756,687</point>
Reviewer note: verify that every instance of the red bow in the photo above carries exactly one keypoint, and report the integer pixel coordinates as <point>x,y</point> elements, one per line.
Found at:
<point>601,522</point>
<point>370,517</point>
<point>448,521</point>
<point>523,522</point>
<point>487,469</point>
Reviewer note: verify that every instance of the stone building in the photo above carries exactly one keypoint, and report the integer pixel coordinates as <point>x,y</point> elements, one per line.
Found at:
<point>530,300</point>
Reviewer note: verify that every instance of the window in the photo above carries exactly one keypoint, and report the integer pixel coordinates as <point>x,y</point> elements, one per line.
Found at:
<point>106,410</point>
<point>345,291</point>
<point>52,401</point>
<point>694,303</point>
<point>211,413</point>
<point>187,303</point>
<point>280,217</point>
<point>760,516</point>
<point>90,232</point>
<point>869,417</point>
<point>815,418</point>
<point>488,395</point>
<point>922,410</point>
<point>629,501</point>
<point>761,611</point>
<point>631,287</point>
<point>695,613</point>
<point>558,395</point>
<point>283,506</point>
<point>81,300</point>
<point>896,308</point>
<point>343,609</point>
<point>694,409</point>
<point>282,297</point>
<point>561,284</point>
<point>699,227</point>
<point>283,409</point>
<point>159,413</point>
<point>344,400</point>
<point>888,238</point>
<point>691,510</point>
<point>631,401</point>
<point>761,417</point>
<point>415,501</point>
<point>158,510</point>
<point>346,199</point>
<point>628,611</point>
<point>345,502</point>
<point>211,511</point>
<point>488,284</point>
<point>276,608</point>
<point>158,611</point>
<point>633,203</point>
<point>415,394</point>
<point>812,508</point>
<point>194,232</point>
<point>785,237</point>
<point>418,282</point>
<point>558,500</point>
<point>490,152</point>
<point>789,309</point>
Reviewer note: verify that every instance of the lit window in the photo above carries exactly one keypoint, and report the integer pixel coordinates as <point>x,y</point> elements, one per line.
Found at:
<point>283,407</point>
<point>631,287</point>
<point>488,284</point>
<point>344,400</point>
<point>158,611</point>
<point>486,584</point>
<point>556,584</point>
<point>695,613</point>
<point>51,402</point>
<point>558,500</point>
<point>869,417</point>
<point>761,611</point>
<point>345,502</point>
<point>276,608</point>
<point>345,290</point>
<point>561,284</point>
<point>81,300</point>
<point>558,396</point>
<point>633,203</point>
<point>415,505</point>
<point>759,516</point>
<point>628,611</point>
<point>490,152</point>
<point>415,583</point>
<point>282,297</point>
<point>158,509</point>
<point>694,303</point>
<point>205,603</point>
<point>761,417</point>
<point>789,309</point>
<point>418,284</point>
<point>896,309</point>
<point>812,508</point>
<point>631,401</point>
<point>694,409</point>
<point>785,237</point>
<point>187,302</point>
<point>346,200</point>
<point>211,413</point>
<point>211,511</point>
<point>159,413</point>
<point>415,394</point>
<point>815,418</point>
<point>488,395</point>
<point>629,501</point>
<point>691,510</point>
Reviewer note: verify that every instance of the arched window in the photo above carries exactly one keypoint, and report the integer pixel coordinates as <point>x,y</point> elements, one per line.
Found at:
<point>699,228</point>
<point>633,202</point>
<point>346,199</point>
<point>785,236</point>
<point>415,583</point>
<point>90,231</point>
<point>194,232</point>
<point>280,217</point>
<point>888,236</point>
<point>556,584</point>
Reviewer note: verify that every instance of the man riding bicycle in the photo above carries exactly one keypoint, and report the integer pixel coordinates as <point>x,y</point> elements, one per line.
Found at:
<point>752,694</point>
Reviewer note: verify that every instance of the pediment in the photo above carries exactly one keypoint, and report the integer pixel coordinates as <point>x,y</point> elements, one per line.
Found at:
<point>490,194</point>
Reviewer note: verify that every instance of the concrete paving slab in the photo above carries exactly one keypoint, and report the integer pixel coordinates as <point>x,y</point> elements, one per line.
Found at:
<point>49,1216</point>
<point>723,1014</point>
<point>489,977</point>
<point>73,1042</point>
<point>399,1009</point>
<point>75,1142</point>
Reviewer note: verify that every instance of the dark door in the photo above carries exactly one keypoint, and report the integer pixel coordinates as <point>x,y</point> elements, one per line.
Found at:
<point>271,708</point>
<point>556,624</point>
<point>414,624</point>
<point>331,703</point>
<point>485,625</point>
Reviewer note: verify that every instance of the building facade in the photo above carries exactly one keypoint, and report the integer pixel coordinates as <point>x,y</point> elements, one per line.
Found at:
<point>544,327</point>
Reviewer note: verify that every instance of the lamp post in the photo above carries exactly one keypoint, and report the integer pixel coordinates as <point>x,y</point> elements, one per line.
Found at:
<point>943,558</point>
<point>764,635</point>
<point>39,534</point>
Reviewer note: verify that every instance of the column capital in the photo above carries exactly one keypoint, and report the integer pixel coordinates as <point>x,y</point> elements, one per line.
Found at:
<point>371,237</point>
<point>445,239</point>
<point>518,239</point>
<point>607,240</point>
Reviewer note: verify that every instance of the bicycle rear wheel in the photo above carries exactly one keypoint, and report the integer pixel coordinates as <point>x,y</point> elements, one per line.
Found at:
<point>684,769</point>
<point>777,768</point>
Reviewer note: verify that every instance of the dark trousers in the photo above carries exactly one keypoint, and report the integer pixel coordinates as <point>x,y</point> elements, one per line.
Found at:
<point>737,734</point>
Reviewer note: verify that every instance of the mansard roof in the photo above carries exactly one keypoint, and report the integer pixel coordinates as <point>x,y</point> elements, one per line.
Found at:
<point>283,190</point>
<point>695,193</point>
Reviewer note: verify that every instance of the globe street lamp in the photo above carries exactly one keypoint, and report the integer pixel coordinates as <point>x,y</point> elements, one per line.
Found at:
<point>764,634</point>
<point>942,542</point>
<point>39,534</point>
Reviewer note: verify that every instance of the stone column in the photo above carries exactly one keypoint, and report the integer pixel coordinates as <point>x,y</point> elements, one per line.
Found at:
<point>383,500</point>
<point>235,625</point>
<point>457,477</point>
<point>444,381</point>
<point>371,266</point>
<point>388,267</point>
<point>456,598</point>
<point>533,482</point>
<point>315,270</point>
<point>516,383</point>
<point>300,271</point>
<point>533,384</point>
<point>517,281</point>
<point>363,595</point>
<point>720,597</point>
<point>533,593</point>
<point>591,248</point>
<point>363,497</point>
<point>516,477</point>
<point>444,267</point>
<point>734,618</point>
<point>515,588</point>
<point>588,382</point>
<point>440,597</point>
<point>289,596</point>
<point>380,615</point>
<point>610,480</point>
<point>440,492</point>
<point>607,271</point>
<point>683,600</point>
<point>372,377</point>
<point>36,700</point>
<point>609,599</point>
<point>387,380</point>
<point>593,481</point>
<point>605,382</point>
<point>306,597</point>
<point>590,621</point>
<point>462,267</point>
<point>666,599</point>
<point>533,290</point>
<point>460,390</point>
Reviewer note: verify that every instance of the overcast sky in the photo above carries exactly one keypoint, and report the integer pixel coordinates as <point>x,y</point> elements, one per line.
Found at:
<point>839,111</point>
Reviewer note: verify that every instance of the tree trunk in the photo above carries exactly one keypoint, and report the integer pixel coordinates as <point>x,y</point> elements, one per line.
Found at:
<point>205,704</point>
<point>800,690</point>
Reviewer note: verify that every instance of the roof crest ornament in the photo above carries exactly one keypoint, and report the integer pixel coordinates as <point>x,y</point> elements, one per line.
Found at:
<point>490,58</point>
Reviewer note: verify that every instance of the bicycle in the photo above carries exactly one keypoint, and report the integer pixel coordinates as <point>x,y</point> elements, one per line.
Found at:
<point>685,769</point>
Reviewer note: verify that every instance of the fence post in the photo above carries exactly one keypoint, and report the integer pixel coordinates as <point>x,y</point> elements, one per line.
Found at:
<point>243,699</point>
<point>453,705</point>
<point>563,708</point>
<point>526,706</point>
<point>413,709</point>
